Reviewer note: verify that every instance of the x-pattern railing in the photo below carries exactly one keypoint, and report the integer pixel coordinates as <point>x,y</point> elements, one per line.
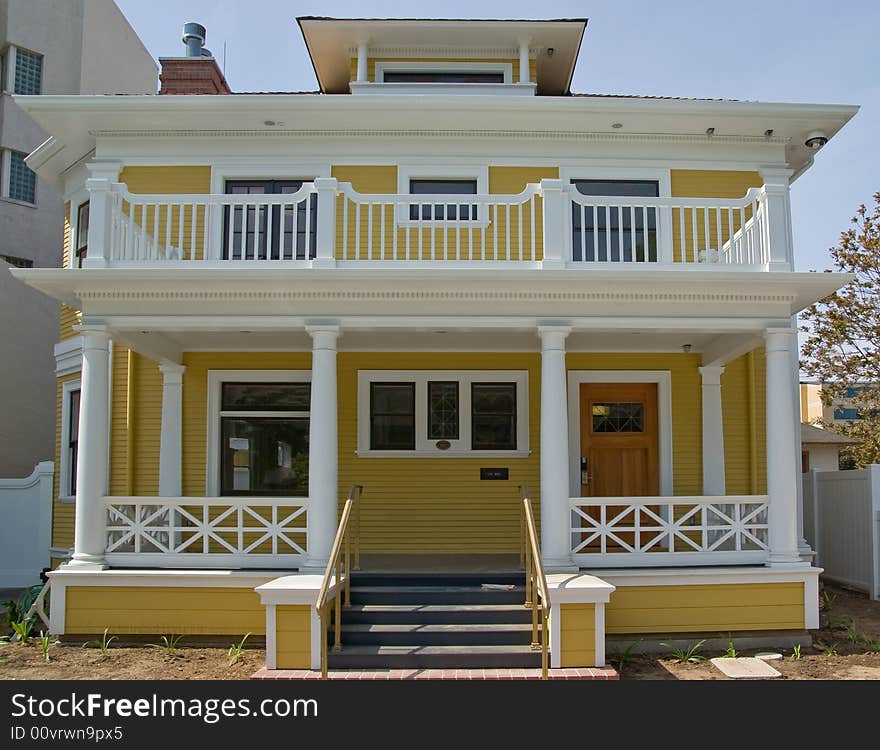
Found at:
<point>660,531</point>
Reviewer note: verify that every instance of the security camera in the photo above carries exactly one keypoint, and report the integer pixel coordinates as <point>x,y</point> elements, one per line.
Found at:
<point>816,140</point>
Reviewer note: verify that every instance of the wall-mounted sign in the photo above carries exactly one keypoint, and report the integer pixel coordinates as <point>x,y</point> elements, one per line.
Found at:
<point>495,474</point>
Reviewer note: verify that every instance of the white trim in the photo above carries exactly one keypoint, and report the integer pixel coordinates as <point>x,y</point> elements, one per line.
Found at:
<point>663,379</point>
<point>149,577</point>
<point>67,388</point>
<point>461,447</point>
<point>708,576</point>
<point>315,641</point>
<point>811,602</point>
<point>215,379</point>
<point>599,634</point>
<point>444,89</point>
<point>555,644</point>
<point>68,356</point>
<point>271,637</point>
<point>464,66</point>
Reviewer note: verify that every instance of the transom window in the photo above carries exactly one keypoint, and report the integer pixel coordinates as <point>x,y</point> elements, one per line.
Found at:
<point>441,211</point>
<point>442,413</point>
<point>267,232</point>
<point>618,417</point>
<point>602,233</point>
<point>264,438</point>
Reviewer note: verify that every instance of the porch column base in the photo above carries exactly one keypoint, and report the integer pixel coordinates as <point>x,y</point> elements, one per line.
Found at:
<point>86,563</point>
<point>559,565</point>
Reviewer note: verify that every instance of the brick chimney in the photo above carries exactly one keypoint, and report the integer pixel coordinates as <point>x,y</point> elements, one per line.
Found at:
<point>198,72</point>
<point>191,75</point>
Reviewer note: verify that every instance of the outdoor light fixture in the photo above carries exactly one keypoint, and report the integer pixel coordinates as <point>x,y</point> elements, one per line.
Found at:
<point>710,132</point>
<point>816,140</point>
<point>768,133</point>
<point>686,348</point>
<point>617,125</point>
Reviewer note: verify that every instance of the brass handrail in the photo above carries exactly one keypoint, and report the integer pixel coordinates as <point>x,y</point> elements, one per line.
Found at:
<point>536,582</point>
<point>339,569</point>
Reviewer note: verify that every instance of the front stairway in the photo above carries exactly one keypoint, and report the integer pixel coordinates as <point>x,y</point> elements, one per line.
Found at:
<point>436,621</point>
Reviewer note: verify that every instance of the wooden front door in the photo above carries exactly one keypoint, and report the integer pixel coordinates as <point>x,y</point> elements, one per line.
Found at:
<point>619,440</point>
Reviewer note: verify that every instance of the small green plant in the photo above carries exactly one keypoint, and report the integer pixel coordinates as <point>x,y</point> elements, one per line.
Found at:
<point>828,599</point>
<point>622,657</point>
<point>872,645</point>
<point>839,622</point>
<point>795,652</point>
<point>827,649</point>
<point>22,629</point>
<point>169,644</point>
<point>689,655</point>
<point>236,650</point>
<point>45,645</point>
<point>103,645</point>
<point>731,651</point>
<point>853,633</point>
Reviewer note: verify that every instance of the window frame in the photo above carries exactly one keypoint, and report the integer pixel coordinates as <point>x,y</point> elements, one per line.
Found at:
<point>216,378</point>
<point>458,448</point>
<point>14,67</point>
<point>65,470</point>
<point>373,384</point>
<point>406,173</point>
<point>6,172</point>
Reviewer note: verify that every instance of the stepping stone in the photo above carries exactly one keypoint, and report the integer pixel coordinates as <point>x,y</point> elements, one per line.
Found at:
<point>769,656</point>
<point>745,668</point>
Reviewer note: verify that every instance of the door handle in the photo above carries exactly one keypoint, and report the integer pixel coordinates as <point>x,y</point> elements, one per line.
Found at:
<point>585,473</point>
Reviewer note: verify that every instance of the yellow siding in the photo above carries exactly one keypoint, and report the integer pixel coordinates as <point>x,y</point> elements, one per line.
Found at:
<point>687,466</point>
<point>158,610</point>
<point>707,183</point>
<point>69,316</point>
<point>174,180</point>
<point>577,630</point>
<point>120,423</point>
<point>195,401</point>
<point>435,505</point>
<point>371,64</point>
<point>62,513</point>
<point>293,637</point>
<point>703,608</point>
<point>146,404</point>
<point>743,411</point>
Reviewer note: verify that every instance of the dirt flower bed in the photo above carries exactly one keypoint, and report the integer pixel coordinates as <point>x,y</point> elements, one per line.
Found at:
<point>846,647</point>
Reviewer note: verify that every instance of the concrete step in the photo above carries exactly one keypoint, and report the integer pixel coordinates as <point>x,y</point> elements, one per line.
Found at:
<point>435,595</point>
<point>436,614</point>
<point>434,657</point>
<point>437,635</point>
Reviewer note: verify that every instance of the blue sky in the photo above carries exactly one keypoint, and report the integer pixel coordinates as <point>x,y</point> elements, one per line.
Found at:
<point>775,50</point>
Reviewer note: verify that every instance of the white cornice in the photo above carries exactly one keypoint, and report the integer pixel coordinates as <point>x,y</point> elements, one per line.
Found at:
<point>466,134</point>
<point>426,52</point>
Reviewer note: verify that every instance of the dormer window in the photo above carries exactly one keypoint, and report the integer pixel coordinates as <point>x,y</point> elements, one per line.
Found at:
<point>441,76</point>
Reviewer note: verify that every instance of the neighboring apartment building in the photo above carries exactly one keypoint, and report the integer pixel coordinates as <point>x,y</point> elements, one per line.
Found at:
<point>52,47</point>
<point>443,277</point>
<point>841,411</point>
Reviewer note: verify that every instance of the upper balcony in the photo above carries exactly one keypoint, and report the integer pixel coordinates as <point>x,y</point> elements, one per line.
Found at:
<point>326,224</point>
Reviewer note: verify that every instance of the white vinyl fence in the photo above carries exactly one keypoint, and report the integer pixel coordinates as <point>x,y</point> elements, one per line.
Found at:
<point>842,524</point>
<point>25,526</point>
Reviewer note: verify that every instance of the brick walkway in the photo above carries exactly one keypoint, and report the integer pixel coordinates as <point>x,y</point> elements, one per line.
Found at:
<point>581,673</point>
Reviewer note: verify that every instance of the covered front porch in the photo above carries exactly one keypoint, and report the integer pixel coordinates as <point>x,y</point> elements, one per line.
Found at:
<point>695,492</point>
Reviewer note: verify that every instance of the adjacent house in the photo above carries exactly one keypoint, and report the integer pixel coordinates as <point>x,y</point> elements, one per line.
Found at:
<point>443,277</point>
<point>53,47</point>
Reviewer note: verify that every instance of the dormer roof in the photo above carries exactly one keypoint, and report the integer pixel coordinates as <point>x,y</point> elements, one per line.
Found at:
<point>332,42</point>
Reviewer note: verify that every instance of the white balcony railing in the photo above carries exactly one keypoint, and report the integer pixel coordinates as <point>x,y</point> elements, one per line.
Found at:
<point>195,532</point>
<point>326,223</point>
<point>664,531</point>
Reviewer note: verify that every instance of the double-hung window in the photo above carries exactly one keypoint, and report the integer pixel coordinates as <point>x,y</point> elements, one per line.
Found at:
<point>270,232</point>
<point>442,413</point>
<point>69,448</point>
<point>614,233</point>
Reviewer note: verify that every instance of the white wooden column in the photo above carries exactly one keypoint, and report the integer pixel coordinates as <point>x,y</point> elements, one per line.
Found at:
<point>555,514</point>
<point>777,208</point>
<point>102,178</point>
<point>524,73</point>
<point>323,447</point>
<point>93,450</point>
<point>713,432</point>
<point>362,63</point>
<point>170,439</point>
<point>782,442</point>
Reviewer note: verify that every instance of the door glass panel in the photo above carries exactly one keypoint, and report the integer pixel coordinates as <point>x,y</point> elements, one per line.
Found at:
<point>618,417</point>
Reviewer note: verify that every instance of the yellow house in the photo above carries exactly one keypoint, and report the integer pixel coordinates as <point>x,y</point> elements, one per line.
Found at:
<point>446,279</point>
